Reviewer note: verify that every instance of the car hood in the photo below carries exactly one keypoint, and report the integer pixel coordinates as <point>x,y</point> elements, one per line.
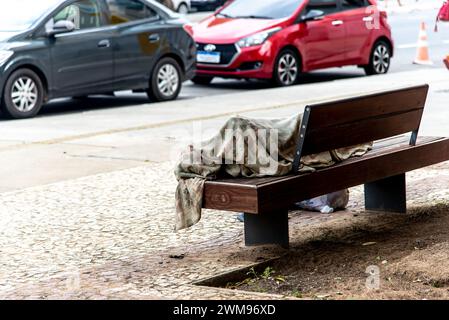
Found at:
<point>224,30</point>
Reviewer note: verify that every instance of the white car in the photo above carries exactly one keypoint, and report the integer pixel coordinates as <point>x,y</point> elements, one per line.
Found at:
<point>182,6</point>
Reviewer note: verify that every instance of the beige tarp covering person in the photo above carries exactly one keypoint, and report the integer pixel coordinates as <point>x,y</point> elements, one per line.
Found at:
<point>249,148</point>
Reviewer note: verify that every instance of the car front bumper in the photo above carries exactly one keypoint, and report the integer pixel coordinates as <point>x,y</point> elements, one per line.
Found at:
<point>253,62</point>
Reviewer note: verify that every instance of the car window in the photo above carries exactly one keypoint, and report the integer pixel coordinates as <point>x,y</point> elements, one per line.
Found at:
<point>353,4</point>
<point>327,6</point>
<point>122,11</point>
<point>264,9</point>
<point>84,14</point>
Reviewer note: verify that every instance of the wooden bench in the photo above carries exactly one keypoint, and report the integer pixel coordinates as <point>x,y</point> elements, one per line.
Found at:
<point>383,116</point>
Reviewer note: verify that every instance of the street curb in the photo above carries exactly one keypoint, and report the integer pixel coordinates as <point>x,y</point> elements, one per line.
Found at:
<point>394,80</point>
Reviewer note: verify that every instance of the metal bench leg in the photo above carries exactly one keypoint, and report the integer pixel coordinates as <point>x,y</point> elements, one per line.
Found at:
<point>269,228</point>
<point>387,195</point>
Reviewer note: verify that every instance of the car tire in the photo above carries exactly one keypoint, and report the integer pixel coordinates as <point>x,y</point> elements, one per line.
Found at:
<point>183,9</point>
<point>23,95</point>
<point>166,70</point>
<point>204,81</point>
<point>287,68</point>
<point>380,59</point>
<point>80,98</point>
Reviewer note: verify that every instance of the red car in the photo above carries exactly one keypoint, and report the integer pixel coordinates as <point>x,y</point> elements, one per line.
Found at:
<point>279,39</point>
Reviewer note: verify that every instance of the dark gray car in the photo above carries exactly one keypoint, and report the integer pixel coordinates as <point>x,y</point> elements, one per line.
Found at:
<point>74,48</point>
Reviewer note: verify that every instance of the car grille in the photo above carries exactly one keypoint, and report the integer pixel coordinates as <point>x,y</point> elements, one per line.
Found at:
<point>227,51</point>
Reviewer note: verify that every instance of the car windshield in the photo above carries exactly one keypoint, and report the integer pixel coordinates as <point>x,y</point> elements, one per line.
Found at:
<point>19,15</point>
<point>260,9</point>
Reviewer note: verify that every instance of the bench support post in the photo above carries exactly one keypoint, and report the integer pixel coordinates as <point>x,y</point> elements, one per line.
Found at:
<point>270,228</point>
<point>387,195</point>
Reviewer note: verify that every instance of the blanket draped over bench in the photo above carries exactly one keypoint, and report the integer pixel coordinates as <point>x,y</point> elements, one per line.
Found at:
<point>232,152</point>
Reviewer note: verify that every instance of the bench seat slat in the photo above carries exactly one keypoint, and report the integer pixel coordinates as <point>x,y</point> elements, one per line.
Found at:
<point>264,195</point>
<point>336,124</point>
<point>379,146</point>
<point>334,113</point>
<point>403,141</point>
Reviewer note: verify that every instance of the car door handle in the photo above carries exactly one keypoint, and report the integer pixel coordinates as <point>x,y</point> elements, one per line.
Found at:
<point>337,23</point>
<point>104,44</point>
<point>155,37</point>
<point>368,19</point>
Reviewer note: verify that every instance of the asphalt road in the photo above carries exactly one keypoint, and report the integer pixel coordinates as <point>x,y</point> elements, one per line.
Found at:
<point>72,139</point>
<point>405,26</point>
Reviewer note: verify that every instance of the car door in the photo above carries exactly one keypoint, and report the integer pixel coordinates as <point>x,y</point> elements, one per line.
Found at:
<point>324,39</point>
<point>359,21</point>
<point>138,37</point>
<point>82,60</point>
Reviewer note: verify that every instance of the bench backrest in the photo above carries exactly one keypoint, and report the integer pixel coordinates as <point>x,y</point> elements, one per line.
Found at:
<point>345,123</point>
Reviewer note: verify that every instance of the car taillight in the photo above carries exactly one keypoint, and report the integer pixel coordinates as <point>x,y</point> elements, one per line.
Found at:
<point>189,29</point>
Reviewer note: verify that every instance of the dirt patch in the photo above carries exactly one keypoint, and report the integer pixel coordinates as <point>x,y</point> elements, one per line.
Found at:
<point>330,259</point>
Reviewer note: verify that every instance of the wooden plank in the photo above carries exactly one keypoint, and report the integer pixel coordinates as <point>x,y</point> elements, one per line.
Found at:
<point>401,141</point>
<point>270,194</point>
<point>353,109</point>
<point>376,128</point>
<point>344,123</point>
<point>379,146</point>
<point>230,197</point>
<point>350,174</point>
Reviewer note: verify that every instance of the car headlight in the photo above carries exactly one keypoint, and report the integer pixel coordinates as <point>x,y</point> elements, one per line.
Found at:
<point>258,38</point>
<point>5,55</point>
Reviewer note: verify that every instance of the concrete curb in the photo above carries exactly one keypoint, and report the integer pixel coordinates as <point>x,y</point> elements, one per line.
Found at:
<point>96,123</point>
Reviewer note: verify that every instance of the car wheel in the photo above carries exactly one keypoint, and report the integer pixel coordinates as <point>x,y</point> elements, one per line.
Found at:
<point>23,94</point>
<point>166,81</point>
<point>287,68</point>
<point>380,59</point>
<point>183,9</point>
<point>202,80</point>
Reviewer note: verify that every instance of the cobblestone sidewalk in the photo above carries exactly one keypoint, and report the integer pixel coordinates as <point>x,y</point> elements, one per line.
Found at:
<point>110,236</point>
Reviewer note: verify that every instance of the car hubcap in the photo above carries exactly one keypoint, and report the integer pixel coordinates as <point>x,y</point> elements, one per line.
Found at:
<point>168,80</point>
<point>183,9</point>
<point>288,69</point>
<point>381,59</point>
<point>24,94</point>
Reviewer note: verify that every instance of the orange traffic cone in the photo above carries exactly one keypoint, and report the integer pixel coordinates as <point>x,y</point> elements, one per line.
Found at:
<point>422,55</point>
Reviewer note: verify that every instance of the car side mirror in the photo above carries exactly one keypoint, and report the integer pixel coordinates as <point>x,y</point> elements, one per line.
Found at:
<point>62,26</point>
<point>312,15</point>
